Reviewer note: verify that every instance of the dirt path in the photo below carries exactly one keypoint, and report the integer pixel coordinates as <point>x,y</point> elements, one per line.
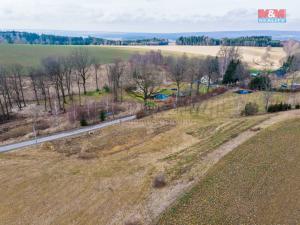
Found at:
<point>161,199</point>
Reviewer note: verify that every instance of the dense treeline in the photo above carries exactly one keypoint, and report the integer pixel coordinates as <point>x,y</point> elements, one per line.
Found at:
<point>197,40</point>
<point>259,41</point>
<point>14,37</point>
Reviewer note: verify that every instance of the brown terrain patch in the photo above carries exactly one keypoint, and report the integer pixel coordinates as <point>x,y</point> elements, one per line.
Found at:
<point>106,177</point>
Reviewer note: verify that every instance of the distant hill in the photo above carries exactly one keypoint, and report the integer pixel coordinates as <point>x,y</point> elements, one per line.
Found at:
<point>275,34</point>
<point>237,38</point>
<point>22,37</point>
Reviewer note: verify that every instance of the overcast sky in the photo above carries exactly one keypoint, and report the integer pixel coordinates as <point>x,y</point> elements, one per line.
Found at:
<point>143,15</point>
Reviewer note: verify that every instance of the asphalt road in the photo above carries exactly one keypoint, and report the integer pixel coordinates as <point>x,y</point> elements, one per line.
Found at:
<point>11,147</point>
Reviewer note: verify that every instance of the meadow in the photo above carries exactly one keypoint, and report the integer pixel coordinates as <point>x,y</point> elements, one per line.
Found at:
<point>250,55</point>
<point>106,177</point>
<point>30,55</point>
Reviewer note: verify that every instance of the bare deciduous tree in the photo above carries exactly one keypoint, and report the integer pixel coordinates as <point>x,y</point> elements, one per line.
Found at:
<point>67,78</point>
<point>97,67</point>
<point>116,72</point>
<point>290,47</point>
<point>178,68</point>
<point>268,91</point>
<point>82,63</point>
<point>200,73</point>
<point>5,101</point>
<point>41,87</point>
<point>225,55</point>
<point>266,58</point>
<point>146,75</point>
<point>52,67</point>
<point>211,69</point>
<point>14,74</point>
<point>191,73</point>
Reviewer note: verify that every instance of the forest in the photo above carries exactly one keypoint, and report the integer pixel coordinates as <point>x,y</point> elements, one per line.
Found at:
<point>257,41</point>
<point>15,37</point>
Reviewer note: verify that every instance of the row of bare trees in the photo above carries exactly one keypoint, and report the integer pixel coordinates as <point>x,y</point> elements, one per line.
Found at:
<point>11,90</point>
<point>51,83</point>
<point>63,79</point>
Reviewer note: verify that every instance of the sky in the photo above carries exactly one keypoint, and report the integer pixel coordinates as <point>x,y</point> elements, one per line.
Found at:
<point>164,16</point>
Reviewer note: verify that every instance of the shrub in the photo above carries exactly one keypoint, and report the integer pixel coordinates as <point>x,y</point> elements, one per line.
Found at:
<point>140,114</point>
<point>83,122</point>
<point>279,107</point>
<point>159,181</point>
<point>106,88</point>
<point>130,88</point>
<point>87,155</point>
<point>42,125</point>
<point>150,104</point>
<point>15,133</point>
<point>260,83</point>
<point>297,106</point>
<point>250,109</point>
<point>102,116</point>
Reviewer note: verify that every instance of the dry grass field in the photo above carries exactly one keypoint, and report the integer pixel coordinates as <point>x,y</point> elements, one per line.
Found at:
<point>251,55</point>
<point>257,183</point>
<point>106,177</point>
<point>30,55</point>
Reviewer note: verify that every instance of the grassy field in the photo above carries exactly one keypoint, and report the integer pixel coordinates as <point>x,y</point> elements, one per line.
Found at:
<point>30,55</point>
<point>107,176</point>
<point>258,183</point>
<point>251,55</point>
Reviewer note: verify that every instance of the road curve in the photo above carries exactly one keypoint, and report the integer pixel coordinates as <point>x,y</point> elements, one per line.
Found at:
<point>11,147</point>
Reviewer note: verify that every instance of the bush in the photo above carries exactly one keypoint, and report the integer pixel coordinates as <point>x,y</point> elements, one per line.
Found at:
<point>140,114</point>
<point>260,83</point>
<point>102,116</point>
<point>159,181</point>
<point>279,107</point>
<point>150,104</point>
<point>106,88</point>
<point>83,122</point>
<point>15,133</point>
<point>297,106</point>
<point>250,109</point>
<point>130,88</point>
<point>42,125</point>
<point>87,155</point>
